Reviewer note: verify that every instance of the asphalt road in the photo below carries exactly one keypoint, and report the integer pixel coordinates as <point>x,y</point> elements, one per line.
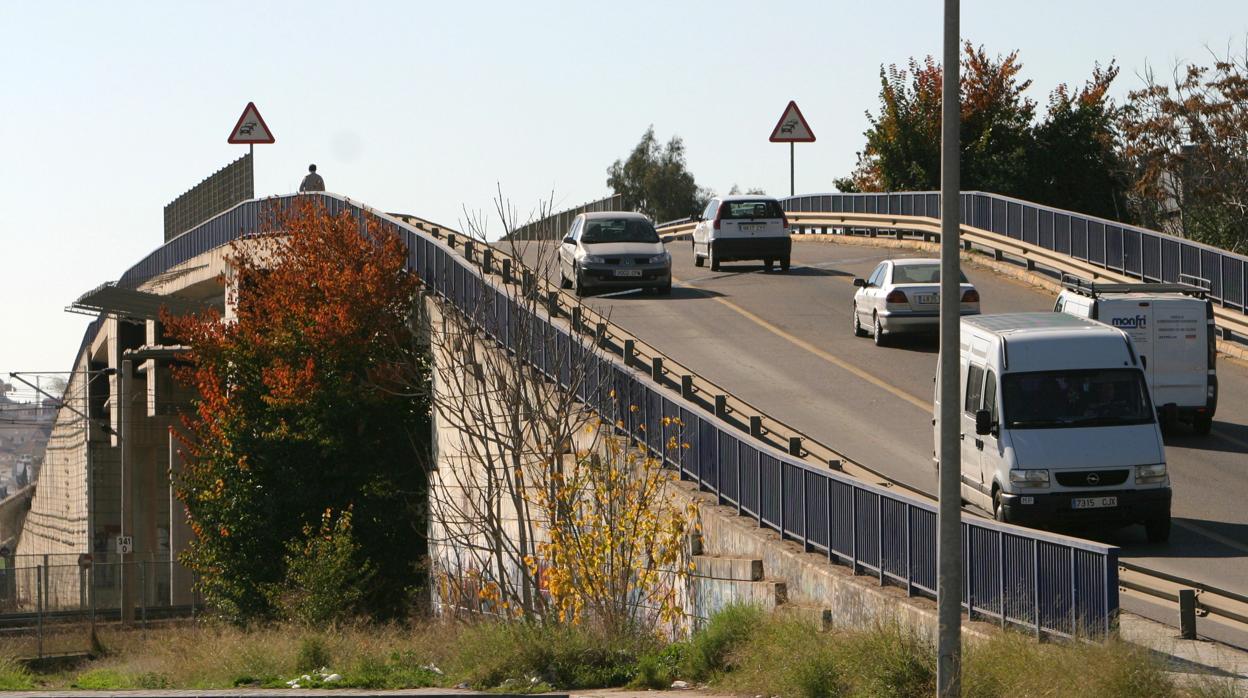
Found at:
<point>783,342</point>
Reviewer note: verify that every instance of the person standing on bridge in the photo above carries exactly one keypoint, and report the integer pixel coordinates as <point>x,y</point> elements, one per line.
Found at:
<point>313,181</point>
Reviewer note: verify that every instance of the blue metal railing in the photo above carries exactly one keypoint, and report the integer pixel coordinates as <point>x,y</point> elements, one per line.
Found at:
<point>1048,583</point>
<point>1145,254</point>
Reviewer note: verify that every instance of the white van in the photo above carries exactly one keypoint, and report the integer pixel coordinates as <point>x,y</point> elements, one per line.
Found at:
<point>1057,425</point>
<point>1172,328</point>
<point>742,227</point>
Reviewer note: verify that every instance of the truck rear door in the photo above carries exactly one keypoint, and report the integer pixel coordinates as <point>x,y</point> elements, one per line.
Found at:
<point>1179,361</point>
<point>1134,317</point>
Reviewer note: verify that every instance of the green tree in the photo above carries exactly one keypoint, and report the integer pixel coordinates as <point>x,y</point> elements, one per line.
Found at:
<point>1067,159</point>
<point>290,418</point>
<point>1074,161</point>
<point>654,179</point>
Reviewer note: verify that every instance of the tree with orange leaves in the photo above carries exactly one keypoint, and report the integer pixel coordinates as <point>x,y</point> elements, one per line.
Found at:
<point>296,416</point>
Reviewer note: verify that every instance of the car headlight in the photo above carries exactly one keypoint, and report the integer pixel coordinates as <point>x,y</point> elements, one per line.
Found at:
<point>1150,474</point>
<point>1030,478</point>
<point>593,259</point>
<point>659,258</point>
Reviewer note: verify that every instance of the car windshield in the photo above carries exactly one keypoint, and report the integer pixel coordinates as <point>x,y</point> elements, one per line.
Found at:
<point>919,274</point>
<point>618,230</point>
<point>1088,398</point>
<point>744,210</point>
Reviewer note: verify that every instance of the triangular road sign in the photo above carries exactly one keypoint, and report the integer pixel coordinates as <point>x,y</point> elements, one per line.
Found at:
<point>792,127</point>
<point>251,127</point>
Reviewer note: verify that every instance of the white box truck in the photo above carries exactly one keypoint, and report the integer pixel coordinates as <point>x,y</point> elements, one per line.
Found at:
<point>1057,425</point>
<point>1172,328</point>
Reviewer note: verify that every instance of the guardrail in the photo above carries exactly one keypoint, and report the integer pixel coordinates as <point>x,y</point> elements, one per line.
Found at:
<point>1061,240</point>
<point>1048,583</point>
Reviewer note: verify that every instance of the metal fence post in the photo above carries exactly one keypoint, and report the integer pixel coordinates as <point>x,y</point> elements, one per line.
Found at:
<point>879,535</point>
<point>1187,614</point>
<point>780,464</point>
<point>40,573</point>
<point>853,529</point>
<point>805,510</point>
<point>143,593</point>
<point>1035,582</point>
<point>91,594</point>
<point>1001,574</point>
<point>909,557</point>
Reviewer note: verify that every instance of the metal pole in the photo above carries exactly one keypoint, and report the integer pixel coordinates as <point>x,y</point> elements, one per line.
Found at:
<point>792,188</point>
<point>40,573</point>
<point>949,543</point>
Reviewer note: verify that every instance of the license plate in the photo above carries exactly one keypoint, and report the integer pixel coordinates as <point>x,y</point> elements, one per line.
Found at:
<point>1093,502</point>
<point>927,298</point>
<point>628,272</point>
<point>752,227</point>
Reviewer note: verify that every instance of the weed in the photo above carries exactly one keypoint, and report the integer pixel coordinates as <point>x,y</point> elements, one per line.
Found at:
<point>313,654</point>
<point>14,676</point>
<point>710,650</point>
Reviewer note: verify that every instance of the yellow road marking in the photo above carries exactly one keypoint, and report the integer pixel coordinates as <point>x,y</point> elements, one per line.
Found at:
<point>826,356</point>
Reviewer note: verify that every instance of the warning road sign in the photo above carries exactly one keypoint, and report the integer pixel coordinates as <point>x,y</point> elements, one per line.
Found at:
<point>251,127</point>
<point>792,127</point>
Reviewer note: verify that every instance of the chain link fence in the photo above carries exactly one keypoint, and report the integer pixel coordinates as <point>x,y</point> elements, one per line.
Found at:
<point>50,605</point>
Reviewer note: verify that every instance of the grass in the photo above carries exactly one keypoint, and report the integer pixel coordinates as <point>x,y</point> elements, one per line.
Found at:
<point>741,649</point>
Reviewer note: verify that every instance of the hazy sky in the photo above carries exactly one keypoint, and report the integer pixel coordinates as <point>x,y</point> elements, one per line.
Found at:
<point>108,111</point>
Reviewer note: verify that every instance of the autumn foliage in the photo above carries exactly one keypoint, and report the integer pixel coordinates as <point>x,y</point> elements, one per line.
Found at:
<point>292,423</point>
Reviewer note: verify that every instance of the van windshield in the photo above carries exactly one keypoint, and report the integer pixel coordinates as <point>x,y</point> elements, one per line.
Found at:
<point>1087,398</point>
<point>618,230</point>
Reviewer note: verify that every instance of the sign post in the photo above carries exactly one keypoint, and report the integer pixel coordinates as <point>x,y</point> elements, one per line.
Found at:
<point>251,129</point>
<point>792,128</point>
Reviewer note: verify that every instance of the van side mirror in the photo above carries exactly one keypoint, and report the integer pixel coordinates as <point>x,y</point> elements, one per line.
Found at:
<point>983,423</point>
<point>569,240</point>
<point>861,283</point>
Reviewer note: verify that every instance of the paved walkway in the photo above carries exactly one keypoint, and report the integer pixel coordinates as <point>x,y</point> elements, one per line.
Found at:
<point>352,693</point>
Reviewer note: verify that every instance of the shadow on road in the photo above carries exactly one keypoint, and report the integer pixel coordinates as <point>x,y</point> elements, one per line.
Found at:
<point>1226,437</point>
<point>1189,538</point>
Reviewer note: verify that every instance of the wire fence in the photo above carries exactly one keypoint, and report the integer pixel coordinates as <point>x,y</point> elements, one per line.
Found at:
<point>50,605</point>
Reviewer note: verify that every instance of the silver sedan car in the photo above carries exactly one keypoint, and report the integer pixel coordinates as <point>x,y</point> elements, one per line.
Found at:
<point>903,295</point>
<point>614,249</point>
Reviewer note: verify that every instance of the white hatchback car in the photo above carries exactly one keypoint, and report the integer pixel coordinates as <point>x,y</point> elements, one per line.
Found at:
<point>739,228</point>
<point>903,295</point>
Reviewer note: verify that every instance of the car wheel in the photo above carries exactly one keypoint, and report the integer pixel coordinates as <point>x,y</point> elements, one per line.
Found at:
<point>581,288</point>
<point>768,264</point>
<point>697,258</point>
<point>858,329</point>
<point>877,331</point>
<point>563,280</point>
<point>998,511</point>
<point>1158,529</point>
<point>710,251</point>
<point>664,290</point>
<point>1202,424</point>
<point>784,264</point>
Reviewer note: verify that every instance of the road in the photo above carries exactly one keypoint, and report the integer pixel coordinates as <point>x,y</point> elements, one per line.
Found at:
<point>783,343</point>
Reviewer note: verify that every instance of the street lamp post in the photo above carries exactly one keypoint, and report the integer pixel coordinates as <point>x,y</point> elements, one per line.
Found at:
<point>949,516</point>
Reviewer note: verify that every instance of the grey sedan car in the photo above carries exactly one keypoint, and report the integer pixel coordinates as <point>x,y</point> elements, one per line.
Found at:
<point>903,295</point>
<point>614,249</point>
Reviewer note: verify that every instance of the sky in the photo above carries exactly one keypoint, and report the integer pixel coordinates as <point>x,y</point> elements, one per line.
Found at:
<point>109,111</point>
